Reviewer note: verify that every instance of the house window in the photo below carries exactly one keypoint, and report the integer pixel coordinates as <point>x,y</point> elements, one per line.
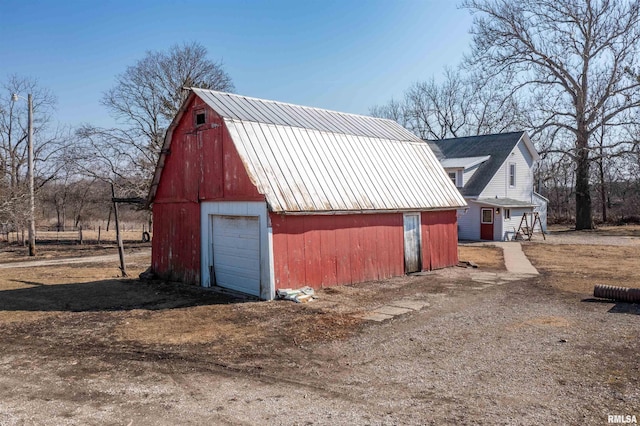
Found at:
<point>487,215</point>
<point>201,117</point>
<point>512,175</point>
<point>507,214</point>
<point>452,176</point>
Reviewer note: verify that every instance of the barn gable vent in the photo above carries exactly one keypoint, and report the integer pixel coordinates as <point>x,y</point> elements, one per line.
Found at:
<point>201,118</point>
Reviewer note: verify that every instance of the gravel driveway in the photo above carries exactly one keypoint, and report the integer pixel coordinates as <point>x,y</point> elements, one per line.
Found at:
<point>509,353</point>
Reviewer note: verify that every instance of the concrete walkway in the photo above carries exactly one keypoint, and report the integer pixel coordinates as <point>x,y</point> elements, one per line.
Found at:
<point>517,265</point>
<point>514,259</point>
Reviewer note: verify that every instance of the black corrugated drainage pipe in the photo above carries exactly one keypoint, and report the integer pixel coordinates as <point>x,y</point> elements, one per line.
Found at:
<point>621,294</point>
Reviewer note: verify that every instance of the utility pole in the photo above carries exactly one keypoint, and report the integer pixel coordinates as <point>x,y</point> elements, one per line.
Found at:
<point>32,204</point>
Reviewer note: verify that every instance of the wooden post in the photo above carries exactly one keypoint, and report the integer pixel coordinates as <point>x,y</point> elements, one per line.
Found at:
<point>123,267</point>
<point>99,229</point>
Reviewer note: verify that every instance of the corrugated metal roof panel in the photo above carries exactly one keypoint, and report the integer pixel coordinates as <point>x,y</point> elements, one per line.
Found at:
<point>310,170</point>
<point>270,112</point>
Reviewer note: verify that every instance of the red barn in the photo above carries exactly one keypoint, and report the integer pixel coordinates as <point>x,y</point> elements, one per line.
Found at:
<point>255,195</point>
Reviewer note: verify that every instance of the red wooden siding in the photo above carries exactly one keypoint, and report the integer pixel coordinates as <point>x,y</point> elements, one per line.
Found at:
<point>176,241</point>
<point>203,165</point>
<point>439,239</point>
<point>322,251</point>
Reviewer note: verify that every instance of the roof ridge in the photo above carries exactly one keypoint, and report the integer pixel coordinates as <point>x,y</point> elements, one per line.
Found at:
<point>291,104</point>
<point>477,136</point>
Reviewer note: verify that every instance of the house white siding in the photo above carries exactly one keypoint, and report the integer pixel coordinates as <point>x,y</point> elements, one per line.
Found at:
<point>541,208</point>
<point>510,226</point>
<point>469,223</point>
<point>499,184</point>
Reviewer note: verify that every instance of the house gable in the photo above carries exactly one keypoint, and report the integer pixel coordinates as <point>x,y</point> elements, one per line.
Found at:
<point>501,185</point>
<point>497,147</point>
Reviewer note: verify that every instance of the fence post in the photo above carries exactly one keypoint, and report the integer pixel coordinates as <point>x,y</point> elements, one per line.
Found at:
<point>80,235</point>
<point>99,230</point>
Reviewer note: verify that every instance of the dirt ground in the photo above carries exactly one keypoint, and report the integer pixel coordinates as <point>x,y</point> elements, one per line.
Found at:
<point>18,253</point>
<point>80,346</point>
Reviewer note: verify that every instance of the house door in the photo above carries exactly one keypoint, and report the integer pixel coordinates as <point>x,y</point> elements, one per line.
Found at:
<point>236,253</point>
<point>486,224</point>
<point>412,243</point>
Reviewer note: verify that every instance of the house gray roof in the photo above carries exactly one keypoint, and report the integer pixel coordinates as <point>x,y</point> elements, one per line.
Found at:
<point>504,202</point>
<point>436,150</point>
<point>308,160</point>
<point>497,146</point>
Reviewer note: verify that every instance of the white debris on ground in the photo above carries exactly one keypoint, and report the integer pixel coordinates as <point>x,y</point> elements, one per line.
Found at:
<point>301,295</point>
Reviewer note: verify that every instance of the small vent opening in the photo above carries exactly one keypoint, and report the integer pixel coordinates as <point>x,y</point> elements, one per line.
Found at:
<point>200,118</point>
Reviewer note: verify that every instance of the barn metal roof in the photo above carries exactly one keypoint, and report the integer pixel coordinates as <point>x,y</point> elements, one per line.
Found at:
<point>244,108</point>
<point>310,160</point>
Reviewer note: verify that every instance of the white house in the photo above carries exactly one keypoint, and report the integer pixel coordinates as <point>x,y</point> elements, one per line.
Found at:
<point>494,173</point>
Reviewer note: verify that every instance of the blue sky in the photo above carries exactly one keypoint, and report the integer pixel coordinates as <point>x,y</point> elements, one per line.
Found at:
<point>341,55</point>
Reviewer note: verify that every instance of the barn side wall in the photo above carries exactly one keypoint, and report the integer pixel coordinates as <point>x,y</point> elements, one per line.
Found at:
<point>202,165</point>
<point>322,251</point>
<point>175,246</point>
<point>439,239</point>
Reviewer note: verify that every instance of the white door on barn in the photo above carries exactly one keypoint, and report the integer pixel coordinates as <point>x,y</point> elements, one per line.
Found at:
<point>236,253</point>
<point>412,242</point>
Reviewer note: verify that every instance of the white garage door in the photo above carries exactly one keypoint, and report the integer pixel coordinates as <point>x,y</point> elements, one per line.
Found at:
<point>236,253</point>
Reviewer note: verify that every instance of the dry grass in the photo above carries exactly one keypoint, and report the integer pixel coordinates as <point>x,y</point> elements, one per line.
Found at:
<point>490,258</point>
<point>607,230</point>
<point>162,314</point>
<point>74,236</point>
<point>19,253</point>
<point>31,294</point>
<point>577,268</point>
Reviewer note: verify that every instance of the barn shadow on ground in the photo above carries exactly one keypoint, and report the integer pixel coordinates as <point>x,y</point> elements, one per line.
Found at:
<point>618,307</point>
<point>110,295</point>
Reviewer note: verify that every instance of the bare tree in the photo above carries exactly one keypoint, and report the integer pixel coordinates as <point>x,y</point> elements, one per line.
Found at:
<point>13,125</point>
<point>575,59</point>
<point>149,93</point>
<point>461,105</point>
<point>392,110</point>
<point>48,142</point>
<point>108,156</point>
